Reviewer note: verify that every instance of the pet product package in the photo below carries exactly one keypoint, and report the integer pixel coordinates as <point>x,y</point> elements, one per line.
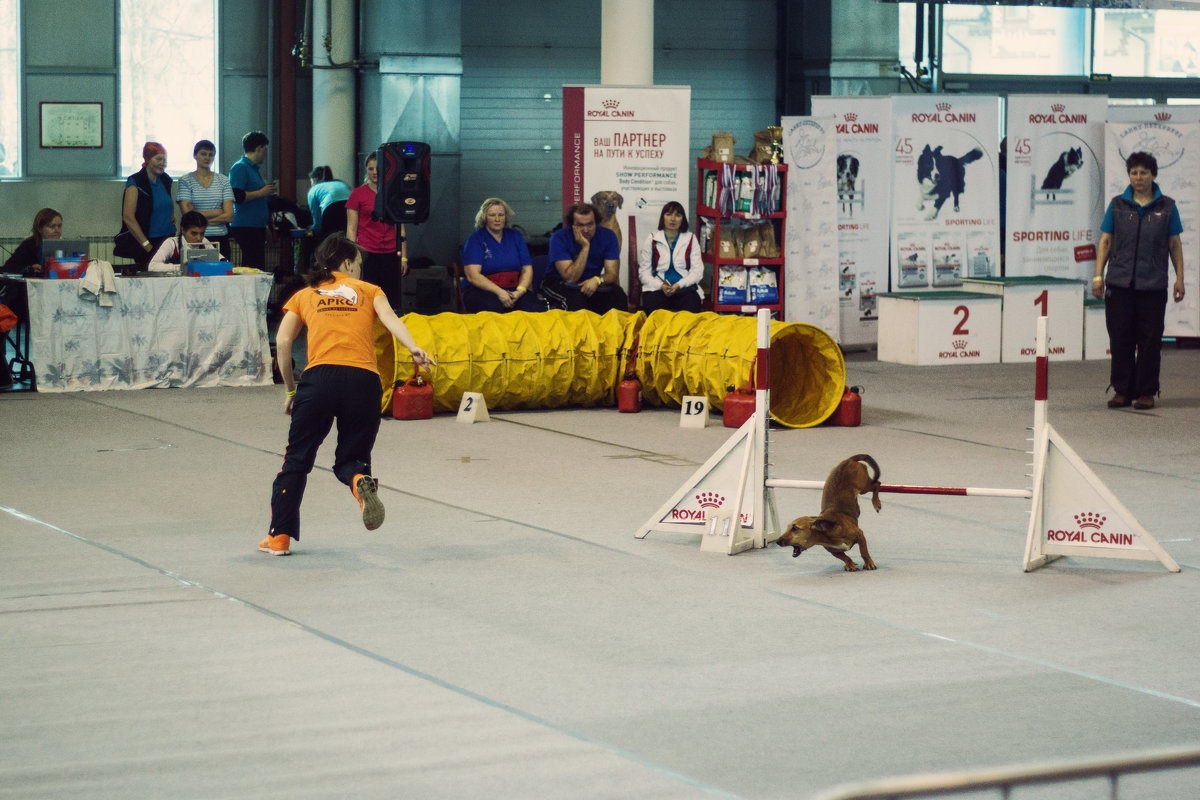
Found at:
<point>768,247</point>
<point>762,150</point>
<point>725,245</point>
<point>763,285</point>
<point>731,284</point>
<point>751,243</point>
<point>721,148</point>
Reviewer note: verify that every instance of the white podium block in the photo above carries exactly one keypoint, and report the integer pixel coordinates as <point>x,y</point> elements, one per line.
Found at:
<point>472,408</point>
<point>1095,331</point>
<point>1026,299</point>
<point>693,412</point>
<point>951,327</point>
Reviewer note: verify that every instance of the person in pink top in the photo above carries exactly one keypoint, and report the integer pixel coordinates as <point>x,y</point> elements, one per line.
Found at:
<point>384,260</point>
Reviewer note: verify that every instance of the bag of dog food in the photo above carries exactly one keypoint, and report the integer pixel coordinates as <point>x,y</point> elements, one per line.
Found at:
<point>725,245</point>
<point>767,246</point>
<point>731,284</point>
<point>761,152</point>
<point>739,241</point>
<point>751,243</point>
<point>763,285</point>
<point>721,148</point>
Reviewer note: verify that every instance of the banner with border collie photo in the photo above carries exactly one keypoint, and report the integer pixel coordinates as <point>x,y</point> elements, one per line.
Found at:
<point>1055,198</point>
<point>945,190</point>
<point>864,190</point>
<point>810,266</point>
<point>632,144</point>
<point>1172,136</point>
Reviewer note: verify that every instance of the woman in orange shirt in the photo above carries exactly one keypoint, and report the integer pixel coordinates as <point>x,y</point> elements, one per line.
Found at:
<point>340,382</point>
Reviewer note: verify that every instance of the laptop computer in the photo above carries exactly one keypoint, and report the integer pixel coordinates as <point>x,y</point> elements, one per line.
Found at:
<point>68,247</point>
<point>200,254</point>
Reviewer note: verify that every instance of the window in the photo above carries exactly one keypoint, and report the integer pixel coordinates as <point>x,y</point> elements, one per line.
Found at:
<point>10,91</point>
<point>168,79</point>
<point>1148,44</point>
<point>1005,40</point>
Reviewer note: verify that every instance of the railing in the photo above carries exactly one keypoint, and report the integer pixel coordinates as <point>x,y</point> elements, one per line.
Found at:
<point>1008,778</point>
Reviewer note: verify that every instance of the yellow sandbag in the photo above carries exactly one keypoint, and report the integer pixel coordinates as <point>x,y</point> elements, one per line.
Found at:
<point>520,359</point>
<point>705,354</point>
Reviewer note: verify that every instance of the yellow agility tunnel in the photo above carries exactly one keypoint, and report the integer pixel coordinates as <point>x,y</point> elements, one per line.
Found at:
<point>564,358</point>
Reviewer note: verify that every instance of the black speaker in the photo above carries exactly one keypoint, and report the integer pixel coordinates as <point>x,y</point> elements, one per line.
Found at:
<point>403,182</point>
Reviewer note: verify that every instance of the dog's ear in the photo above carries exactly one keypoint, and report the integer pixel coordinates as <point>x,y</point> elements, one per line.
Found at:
<point>821,525</point>
<point>596,198</point>
<point>620,200</point>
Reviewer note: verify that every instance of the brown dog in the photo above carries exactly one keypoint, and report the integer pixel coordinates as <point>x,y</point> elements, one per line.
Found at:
<point>607,204</point>
<point>836,528</point>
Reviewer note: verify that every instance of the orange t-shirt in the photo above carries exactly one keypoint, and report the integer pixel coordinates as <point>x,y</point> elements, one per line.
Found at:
<point>340,316</point>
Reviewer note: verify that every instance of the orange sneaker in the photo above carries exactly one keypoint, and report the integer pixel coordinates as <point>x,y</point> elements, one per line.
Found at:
<point>365,490</point>
<point>276,544</point>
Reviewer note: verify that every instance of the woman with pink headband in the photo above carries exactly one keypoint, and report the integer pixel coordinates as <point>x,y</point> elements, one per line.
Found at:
<point>147,211</point>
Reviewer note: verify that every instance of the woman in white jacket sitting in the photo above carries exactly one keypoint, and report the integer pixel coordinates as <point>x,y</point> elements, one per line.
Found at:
<point>191,227</point>
<point>669,264</point>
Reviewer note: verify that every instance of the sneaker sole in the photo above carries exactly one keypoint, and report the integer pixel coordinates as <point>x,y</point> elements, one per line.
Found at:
<point>372,506</point>
<point>271,552</point>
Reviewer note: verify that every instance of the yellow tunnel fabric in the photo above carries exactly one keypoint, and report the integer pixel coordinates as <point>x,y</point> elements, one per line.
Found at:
<point>564,358</point>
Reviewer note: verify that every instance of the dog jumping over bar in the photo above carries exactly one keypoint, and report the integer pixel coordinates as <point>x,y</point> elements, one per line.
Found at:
<point>836,527</point>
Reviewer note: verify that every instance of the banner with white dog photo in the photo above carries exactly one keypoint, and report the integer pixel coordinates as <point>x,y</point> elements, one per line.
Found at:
<point>626,150</point>
<point>810,267</point>
<point>1055,194</point>
<point>945,189</point>
<point>1176,146</point>
<point>863,128</point>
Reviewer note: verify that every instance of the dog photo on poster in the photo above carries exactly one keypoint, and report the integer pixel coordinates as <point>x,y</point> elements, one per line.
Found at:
<point>863,130</point>
<point>945,189</point>
<point>1055,184</point>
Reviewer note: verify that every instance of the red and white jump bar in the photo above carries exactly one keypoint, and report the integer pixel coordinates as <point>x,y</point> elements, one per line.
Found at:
<point>959,491</point>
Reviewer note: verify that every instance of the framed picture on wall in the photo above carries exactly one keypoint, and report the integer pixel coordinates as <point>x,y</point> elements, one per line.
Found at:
<point>72,124</point>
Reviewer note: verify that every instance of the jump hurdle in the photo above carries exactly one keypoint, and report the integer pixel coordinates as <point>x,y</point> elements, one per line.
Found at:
<point>730,500</point>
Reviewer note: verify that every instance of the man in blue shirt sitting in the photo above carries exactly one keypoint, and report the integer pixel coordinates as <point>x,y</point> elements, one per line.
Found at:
<point>585,258</point>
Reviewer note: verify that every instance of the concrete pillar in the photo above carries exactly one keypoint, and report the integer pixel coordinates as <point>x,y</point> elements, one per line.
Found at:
<point>627,43</point>
<point>334,101</point>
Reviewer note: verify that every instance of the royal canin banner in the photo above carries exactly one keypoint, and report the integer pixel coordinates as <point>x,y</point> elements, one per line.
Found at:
<point>1172,135</point>
<point>810,242</point>
<point>863,132</point>
<point>1055,197</point>
<point>626,149</point>
<point>945,190</point>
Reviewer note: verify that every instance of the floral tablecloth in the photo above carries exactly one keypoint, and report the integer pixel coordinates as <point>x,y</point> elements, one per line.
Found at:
<point>158,333</point>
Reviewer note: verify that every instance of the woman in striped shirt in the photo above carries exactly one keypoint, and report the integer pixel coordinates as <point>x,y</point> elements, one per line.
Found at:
<point>209,193</point>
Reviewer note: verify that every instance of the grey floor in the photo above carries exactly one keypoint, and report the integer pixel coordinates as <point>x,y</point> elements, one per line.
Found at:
<point>504,635</point>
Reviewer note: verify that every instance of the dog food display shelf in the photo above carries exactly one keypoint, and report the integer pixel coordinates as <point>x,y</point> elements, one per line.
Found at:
<point>741,217</point>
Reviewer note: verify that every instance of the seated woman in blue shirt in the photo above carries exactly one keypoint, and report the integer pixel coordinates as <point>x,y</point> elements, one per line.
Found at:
<point>496,263</point>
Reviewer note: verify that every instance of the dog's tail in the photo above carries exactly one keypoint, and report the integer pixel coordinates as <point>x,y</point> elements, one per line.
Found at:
<point>870,462</point>
<point>974,155</point>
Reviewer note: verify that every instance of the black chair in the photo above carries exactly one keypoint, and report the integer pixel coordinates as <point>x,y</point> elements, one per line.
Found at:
<point>333,219</point>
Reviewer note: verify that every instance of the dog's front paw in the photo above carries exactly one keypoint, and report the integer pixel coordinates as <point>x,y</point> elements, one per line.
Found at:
<point>850,567</point>
<point>932,214</point>
<point>868,564</point>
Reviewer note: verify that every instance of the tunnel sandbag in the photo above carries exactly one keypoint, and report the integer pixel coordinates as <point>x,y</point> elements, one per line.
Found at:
<point>704,354</point>
<point>522,360</point>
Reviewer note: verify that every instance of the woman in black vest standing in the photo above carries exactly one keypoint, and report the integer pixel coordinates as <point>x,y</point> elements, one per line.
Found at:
<point>1140,230</point>
<point>147,211</point>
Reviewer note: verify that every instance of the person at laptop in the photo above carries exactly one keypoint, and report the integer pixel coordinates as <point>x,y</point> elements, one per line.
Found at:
<point>170,253</point>
<point>27,258</point>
